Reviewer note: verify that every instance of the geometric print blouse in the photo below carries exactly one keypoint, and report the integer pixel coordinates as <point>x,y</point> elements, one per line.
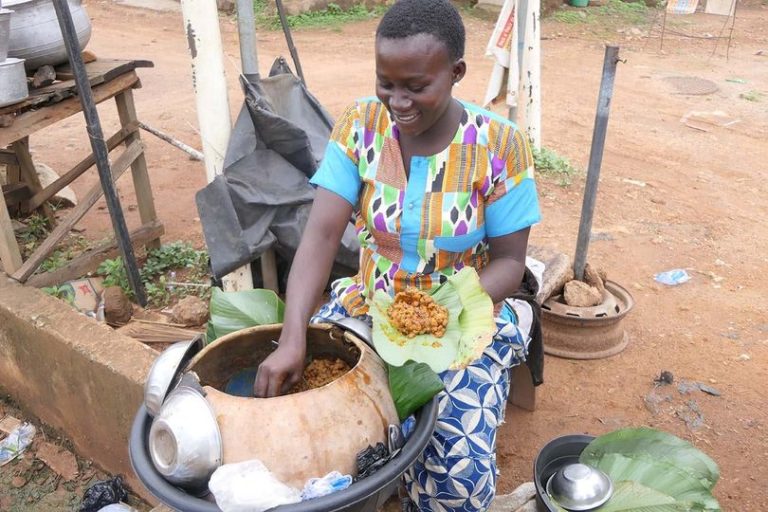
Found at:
<point>416,229</point>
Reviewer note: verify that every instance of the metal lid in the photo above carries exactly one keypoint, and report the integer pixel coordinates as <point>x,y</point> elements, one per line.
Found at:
<point>579,487</point>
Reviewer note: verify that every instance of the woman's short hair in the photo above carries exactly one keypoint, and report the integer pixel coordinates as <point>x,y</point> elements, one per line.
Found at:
<point>436,17</point>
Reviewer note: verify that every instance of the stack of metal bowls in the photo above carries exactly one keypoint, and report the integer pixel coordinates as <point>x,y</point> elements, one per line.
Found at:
<point>13,78</point>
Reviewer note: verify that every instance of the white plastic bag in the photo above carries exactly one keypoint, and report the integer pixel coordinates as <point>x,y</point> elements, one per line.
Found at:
<point>249,487</point>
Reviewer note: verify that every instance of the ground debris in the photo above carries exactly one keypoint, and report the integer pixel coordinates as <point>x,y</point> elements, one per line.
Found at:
<point>58,459</point>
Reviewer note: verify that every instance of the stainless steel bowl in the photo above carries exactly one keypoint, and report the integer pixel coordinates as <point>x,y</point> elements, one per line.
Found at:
<point>164,374</point>
<point>579,487</point>
<point>184,439</point>
<point>13,82</point>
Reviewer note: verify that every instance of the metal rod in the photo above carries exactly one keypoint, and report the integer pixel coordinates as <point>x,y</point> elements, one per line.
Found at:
<point>192,152</point>
<point>99,147</point>
<point>289,39</point>
<point>246,29</point>
<point>595,159</point>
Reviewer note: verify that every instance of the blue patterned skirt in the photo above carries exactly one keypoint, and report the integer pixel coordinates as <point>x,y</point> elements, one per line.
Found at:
<point>457,470</point>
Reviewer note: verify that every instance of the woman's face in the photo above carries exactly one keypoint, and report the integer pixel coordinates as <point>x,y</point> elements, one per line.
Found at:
<point>414,78</point>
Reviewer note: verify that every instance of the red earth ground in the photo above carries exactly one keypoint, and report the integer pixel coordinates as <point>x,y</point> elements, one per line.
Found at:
<point>670,197</point>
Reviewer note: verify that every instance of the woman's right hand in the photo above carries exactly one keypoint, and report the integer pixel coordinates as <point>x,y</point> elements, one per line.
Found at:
<point>283,369</point>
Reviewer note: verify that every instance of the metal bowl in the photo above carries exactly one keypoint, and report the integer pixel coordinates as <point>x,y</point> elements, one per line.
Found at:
<point>184,439</point>
<point>579,487</point>
<point>164,374</point>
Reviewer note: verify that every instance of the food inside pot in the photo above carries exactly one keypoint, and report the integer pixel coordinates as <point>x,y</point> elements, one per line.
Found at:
<point>321,371</point>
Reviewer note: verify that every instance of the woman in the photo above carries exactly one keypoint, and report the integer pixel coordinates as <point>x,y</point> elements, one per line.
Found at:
<point>436,185</point>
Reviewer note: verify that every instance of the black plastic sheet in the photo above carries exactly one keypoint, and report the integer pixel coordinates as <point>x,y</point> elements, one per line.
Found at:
<point>103,493</point>
<point>262,199</point>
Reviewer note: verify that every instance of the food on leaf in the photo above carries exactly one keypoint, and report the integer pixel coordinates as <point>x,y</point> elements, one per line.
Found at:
<point>414,312</point>
<point>469,329</point>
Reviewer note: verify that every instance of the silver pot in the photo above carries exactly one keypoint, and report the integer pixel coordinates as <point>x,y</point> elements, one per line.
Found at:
<point>5,32</point>
<point>35,32</point>
<point>13,82</point>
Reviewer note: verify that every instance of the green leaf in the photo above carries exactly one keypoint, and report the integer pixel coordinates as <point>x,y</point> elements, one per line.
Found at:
<point>635,497</point>
<point>412,385</point>
<point>659,446</point>
<point>470,326</point>
<point>232,311</point>
<point>659,476</point>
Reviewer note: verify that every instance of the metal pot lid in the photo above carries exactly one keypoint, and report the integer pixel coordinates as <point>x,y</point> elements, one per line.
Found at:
<point>579,487</point>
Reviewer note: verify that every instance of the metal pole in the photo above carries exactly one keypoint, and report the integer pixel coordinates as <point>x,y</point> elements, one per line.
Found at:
<point>595,159</point>
<point>246,28</point>
<point>99,147</point>
<point>289,40</point>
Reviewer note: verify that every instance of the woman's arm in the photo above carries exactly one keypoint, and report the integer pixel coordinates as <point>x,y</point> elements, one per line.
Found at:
<point>309,273</point>
<point>504,273</point>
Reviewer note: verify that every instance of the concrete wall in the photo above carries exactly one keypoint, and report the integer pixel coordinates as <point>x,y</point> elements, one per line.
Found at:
<point>72,373</point>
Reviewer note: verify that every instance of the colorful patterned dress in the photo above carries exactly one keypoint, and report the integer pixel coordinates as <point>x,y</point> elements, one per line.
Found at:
<point>418,228</point>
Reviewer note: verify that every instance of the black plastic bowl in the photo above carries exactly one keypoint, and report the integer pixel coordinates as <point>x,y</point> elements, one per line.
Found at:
<point>555,454</point>
<point>362,496</point>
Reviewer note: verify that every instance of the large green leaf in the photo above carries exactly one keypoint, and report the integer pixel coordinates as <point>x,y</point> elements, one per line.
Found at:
<point>635,497</point>
<point>412,385</point>
<point>470,326</point>
<point>659,476</point>
<point>658,445</point>
<point>232,311</point>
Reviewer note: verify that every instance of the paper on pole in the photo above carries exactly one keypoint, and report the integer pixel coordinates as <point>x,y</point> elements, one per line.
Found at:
<point>502,47</point>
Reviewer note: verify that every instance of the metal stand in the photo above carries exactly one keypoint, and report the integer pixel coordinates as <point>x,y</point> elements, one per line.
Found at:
<point>595,159</point>
<point>99,147</point>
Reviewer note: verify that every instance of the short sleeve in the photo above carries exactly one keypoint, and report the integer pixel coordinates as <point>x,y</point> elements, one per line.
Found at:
<point>338,172</point>
<point>513,203</point>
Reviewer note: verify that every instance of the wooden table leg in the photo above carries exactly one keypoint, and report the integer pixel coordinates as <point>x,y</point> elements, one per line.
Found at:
<point>29,175</point>
<point>127,112</point>
<point>9,249</point>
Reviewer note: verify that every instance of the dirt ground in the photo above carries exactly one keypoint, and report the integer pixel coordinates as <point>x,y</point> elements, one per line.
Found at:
<point>670,196</point>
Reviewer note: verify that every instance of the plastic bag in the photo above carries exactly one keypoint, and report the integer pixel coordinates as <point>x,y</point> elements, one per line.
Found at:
<point>371,460</point>
<point>249,487</point>
<point>103,493</point>
<point>17,441</point>
<point>330,483</point>
<point>672,277</point>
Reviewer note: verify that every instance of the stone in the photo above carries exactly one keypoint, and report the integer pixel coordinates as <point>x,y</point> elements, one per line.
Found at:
<point>594,277</point>
<point>514,500</point>
<point>557,272</point>
<point>45,75</point>
<point>117,308</point>
<point>581,295</point>
<point>65,197</point>
<point>226,6</point>
<point>190,311</point>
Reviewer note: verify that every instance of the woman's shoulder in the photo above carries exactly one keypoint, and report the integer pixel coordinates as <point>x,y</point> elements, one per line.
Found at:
<point>485,116</point>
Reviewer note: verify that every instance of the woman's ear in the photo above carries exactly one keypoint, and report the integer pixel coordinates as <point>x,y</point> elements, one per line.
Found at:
<point>459,70</point>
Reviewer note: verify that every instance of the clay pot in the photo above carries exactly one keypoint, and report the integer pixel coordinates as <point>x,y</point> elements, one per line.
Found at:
<point>303,435</point>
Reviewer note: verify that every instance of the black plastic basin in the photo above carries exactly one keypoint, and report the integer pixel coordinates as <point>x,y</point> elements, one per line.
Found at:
<point>555,454</point>
<point>363,496</point>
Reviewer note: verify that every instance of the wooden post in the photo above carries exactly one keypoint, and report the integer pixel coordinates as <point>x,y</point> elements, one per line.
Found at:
<point>127,113</point>
<point>531,74</point>
<point>29,174</point>
<point>9,249</point>
<point>201,24</point>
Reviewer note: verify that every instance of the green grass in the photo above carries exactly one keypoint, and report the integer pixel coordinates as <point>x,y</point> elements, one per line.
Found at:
<point>331,17</point>
<point>613,12</point>
<point>159,273</point>
<point>548,163</point>
<point>754,96</point>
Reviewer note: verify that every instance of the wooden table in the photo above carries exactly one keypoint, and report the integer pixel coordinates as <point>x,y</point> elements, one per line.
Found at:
<point>23,192</point>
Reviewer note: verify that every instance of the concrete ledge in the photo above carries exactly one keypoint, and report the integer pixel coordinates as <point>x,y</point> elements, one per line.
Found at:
<point>72,373</point>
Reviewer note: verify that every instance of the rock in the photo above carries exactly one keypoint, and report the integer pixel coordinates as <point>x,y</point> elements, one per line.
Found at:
<point>45,75</point>
<point>64,197</point>
<point>88,56</point>
<point>594,277</point>
<point>117,308</point>
<point>226,6</point>
<point>190,311</point>
<point>58,459</point>
<point>582,295</point>
<point>514,500</point>
<point>557,272</point>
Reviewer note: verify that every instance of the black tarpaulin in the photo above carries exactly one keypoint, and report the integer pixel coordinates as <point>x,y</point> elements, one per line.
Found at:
<point>263,197</point>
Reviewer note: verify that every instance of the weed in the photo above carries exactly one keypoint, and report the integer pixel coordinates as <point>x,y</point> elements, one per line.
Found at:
<point>60,292</point>
<point>614,11</point>
<point>571,17</point>
<point>548,163</point>
<point>176,256</point>
<point>754,96</point>
<point>330,17</point>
